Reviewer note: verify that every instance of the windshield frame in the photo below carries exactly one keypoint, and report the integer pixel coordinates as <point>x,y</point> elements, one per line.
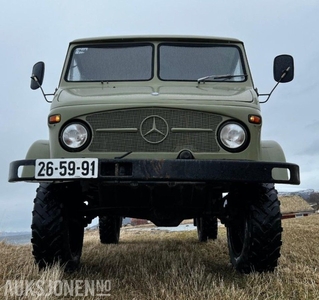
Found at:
<point>202,45</point>
<point>108,46</point>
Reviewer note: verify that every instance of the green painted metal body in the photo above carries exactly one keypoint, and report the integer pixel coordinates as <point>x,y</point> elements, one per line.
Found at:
<point>230,101</point>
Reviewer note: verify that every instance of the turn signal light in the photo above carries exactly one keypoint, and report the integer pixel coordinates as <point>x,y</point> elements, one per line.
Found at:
<point>54,119</point>
<point>254,119</point>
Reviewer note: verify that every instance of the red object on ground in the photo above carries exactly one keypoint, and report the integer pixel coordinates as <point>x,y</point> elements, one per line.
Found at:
<point>136,222</point>
<point>296,214</point>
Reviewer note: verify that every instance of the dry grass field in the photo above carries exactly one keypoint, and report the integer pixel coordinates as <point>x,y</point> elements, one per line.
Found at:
<point>174,265</point>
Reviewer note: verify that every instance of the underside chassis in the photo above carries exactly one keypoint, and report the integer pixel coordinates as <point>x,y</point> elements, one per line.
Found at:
<point>165,204</point>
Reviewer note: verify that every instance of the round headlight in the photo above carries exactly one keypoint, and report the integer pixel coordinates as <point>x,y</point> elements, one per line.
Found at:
<point>233,136</point>
<point>74,136</point>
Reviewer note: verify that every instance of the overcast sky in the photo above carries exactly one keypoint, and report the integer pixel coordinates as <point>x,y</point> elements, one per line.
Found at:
<point>31,31</point>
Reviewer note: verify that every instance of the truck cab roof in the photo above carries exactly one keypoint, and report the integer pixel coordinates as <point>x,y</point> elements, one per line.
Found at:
<point>139,38</point>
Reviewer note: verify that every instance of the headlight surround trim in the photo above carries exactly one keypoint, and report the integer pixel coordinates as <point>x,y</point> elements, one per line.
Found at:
<point>77,126</point>
<point>236,126</point>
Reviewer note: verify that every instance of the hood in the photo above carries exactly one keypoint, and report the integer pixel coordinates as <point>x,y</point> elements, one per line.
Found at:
<point>138,94</point>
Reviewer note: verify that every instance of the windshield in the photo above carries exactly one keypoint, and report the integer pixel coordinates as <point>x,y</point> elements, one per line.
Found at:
<point>111,63</point>
<point>188,62</point>
<point>176,61</point>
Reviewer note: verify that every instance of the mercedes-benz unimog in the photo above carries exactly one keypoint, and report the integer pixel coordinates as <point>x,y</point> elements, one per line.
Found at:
<point>164,128</point>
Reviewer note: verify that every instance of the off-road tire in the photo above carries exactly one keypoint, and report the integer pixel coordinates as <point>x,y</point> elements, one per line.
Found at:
<point>254,235</point>
<point>207,228</point>
<point>57,228</point>
<point>109,229</point>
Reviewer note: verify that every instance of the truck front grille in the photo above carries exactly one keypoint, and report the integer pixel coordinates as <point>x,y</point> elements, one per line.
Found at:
<point>153,130</point>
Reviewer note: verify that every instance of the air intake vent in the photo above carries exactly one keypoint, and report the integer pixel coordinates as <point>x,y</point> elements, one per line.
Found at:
<point>153,130</point>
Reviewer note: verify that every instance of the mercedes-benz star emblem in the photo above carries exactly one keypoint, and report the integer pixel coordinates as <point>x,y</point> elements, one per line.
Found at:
<point>154,129</point>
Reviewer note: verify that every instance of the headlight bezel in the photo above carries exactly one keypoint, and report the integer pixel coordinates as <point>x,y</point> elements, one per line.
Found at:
<point>86,142</point>
<point>241,147</point>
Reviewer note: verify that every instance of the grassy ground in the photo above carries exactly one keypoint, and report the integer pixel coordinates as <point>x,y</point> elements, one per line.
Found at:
<point>174,265</point>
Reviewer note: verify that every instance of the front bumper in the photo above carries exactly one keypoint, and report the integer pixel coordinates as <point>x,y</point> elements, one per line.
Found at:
<point>179,170</point>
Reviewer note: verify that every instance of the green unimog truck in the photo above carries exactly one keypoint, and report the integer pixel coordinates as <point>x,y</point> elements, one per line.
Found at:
<point>163,128</point>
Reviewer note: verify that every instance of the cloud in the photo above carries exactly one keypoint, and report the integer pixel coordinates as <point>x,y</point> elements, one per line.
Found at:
<point>312,149</point>
<point>33,31</point>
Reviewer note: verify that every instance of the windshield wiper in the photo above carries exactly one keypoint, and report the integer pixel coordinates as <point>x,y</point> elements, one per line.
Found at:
<point>226,76</point>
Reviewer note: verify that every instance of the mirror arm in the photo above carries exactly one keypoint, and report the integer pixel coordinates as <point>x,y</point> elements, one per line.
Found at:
<point>44,94</point>
<point>284,73</point>
<point>269,93</point>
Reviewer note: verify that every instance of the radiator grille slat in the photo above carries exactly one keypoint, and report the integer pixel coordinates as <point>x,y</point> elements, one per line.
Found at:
<point>123,130</point>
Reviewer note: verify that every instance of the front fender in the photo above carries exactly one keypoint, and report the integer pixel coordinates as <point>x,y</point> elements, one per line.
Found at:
<point>271,151</point>
<point>39,149</point>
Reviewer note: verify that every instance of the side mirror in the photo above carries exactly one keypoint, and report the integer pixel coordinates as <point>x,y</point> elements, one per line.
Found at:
<point>37,75</point>
<point>283,68</point>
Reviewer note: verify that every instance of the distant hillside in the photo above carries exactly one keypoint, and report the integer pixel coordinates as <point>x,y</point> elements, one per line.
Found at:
<point>310,195</point>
